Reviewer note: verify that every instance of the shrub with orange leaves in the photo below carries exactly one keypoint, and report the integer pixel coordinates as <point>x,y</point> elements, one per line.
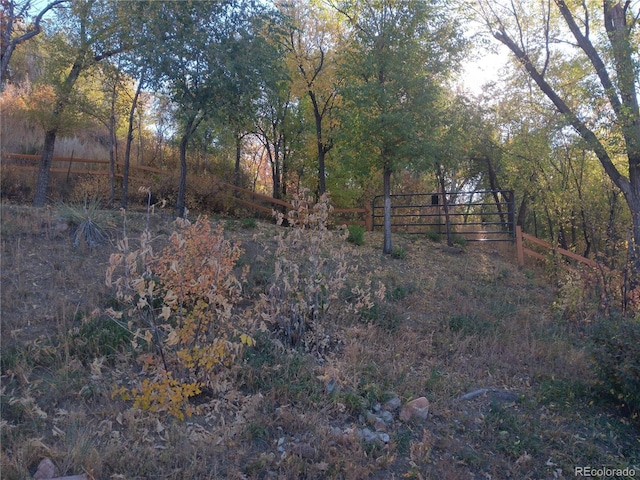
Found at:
<point>180,302</point>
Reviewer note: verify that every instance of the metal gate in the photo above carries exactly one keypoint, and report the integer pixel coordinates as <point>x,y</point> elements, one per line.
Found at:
<point>480,215</point>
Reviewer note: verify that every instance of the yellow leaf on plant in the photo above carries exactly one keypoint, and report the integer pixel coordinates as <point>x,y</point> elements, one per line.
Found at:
<point>247,340</point>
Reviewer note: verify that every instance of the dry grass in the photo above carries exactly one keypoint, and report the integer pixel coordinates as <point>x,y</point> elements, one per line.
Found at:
<point>452,323</point>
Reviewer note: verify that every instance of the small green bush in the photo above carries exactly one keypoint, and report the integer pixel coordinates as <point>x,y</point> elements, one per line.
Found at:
<point>459,240</point>
<point>399,252</point>
<point>433,235</point>
<point>356,234</point>
<point>98,337</point>
<point>616,355</point>
<point>248,222</point>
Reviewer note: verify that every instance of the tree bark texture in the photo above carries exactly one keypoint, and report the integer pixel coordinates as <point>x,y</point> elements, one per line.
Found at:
<point>387,247</point>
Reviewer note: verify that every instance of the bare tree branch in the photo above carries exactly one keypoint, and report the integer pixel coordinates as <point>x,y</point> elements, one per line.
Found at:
<point>620,180</point>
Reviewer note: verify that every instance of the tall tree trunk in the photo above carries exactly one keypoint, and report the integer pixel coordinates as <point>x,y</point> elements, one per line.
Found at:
<point>622,97</point>
<point>321,146</point>
<point>236,169</point>
<point>127,149</point>
<point>62,100</point>
<point>523,210</point>
<point>445,206</point>
<point>493,184</point>
<point>44,172</point>
<point>182,185</point>
<point>386,182</point>
<point>192,124</point>
<point>113,141</point>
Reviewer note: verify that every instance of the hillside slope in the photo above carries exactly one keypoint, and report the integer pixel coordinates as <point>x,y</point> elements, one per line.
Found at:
<point>508,382</point>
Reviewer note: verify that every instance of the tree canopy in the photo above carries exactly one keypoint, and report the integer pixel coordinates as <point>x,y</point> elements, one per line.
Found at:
<point>354,97</point>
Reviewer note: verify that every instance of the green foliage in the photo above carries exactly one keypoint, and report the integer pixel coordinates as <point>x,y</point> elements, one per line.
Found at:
<point>509,433</point>
<point>399,253</point>
<point>248,222</point>
<point>469,324</point>
<point>400,292</point>
<point>459,240</point>
<point>356,234</point>
<point>99,337</point>
<point>355,403</point>
<point>616,355</point>
<point>433,236</point>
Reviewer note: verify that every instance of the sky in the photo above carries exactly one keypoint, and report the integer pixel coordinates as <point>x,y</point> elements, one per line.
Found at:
<point>480,71</point>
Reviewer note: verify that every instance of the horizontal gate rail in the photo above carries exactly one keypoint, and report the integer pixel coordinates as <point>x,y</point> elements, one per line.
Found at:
<point>481,215</point>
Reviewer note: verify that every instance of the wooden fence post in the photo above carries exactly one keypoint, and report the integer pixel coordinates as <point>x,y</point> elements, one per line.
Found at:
<point>519,246</point>
<point>368,220</point>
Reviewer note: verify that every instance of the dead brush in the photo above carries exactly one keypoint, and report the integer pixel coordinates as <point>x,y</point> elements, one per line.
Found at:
<point>313,265</point>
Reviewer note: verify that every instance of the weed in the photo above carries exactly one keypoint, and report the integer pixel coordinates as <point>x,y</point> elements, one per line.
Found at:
<point>616,354</point>
<point>433,236</point>
<point>510,434</point>
<point>400,292</point>
<point>383,316</point>
<point>356,234</point>
<point>87,218</point>
<point>399,253</point>
<point>459,240</point>
<point>248,222</point>
<point>469,325</point>
<point>355,403</point>
<point>308,278</point>
<point>183,300</point>
<point>402,440</point>
<point>98,337</point>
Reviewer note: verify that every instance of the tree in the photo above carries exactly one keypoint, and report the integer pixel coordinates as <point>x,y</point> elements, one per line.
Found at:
<point>279,129</point>
<point>402,50</point>
<point>12,17</point>
<point>129,141</point>
<point>312,38</point>
<point>93,32</point>
<point>190,48</point>
<point>563,35</point>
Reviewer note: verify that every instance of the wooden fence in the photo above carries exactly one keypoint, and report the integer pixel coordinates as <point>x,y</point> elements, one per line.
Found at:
<point>521,250</point>
<point>29,162</point>
<point>247,198</point>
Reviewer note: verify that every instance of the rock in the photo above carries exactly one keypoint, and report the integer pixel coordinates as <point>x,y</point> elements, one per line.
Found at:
<point>46,470</point>
<point>303,450</point>
<point>392,404</point>
<point>380,426</point>
<point>415,409</point>
<point>387,416</point>
<point>372,437</point>
<point>506,396</point>
<point>496,395</point>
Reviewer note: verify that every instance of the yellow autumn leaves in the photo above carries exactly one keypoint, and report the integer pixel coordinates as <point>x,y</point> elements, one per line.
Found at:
<point>179,305</point>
